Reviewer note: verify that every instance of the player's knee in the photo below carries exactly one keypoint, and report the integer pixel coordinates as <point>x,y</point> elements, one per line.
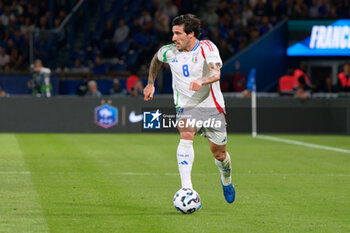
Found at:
<point>187,135</point>
<point>220,154</point>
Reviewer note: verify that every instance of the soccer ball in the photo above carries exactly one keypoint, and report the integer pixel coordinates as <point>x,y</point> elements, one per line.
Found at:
<point>187,201</point>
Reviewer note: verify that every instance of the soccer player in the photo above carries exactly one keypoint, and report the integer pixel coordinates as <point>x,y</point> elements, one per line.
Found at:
<point>195,67</point>
<point>41,80</point>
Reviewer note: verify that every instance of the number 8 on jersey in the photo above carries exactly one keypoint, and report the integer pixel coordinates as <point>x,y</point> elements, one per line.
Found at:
<point>185,70</point>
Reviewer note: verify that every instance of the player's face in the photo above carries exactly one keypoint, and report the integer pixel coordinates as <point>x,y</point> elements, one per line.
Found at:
<point>38,64</point>
<point>180,38</point>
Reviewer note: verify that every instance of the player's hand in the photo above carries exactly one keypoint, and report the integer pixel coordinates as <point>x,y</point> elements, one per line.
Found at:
<point>196,85</point>
<point>148,92</point>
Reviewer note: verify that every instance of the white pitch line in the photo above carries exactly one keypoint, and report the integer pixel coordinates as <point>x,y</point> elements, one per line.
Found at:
<point>170,174</point>
<point>15,172</point>
<point>299,143</point>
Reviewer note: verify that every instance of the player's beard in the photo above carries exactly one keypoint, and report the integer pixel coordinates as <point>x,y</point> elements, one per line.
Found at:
<point>181,46</point>
<point>178,46</point>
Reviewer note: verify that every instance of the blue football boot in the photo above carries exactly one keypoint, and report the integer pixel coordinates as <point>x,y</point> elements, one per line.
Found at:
<point>229,192</point>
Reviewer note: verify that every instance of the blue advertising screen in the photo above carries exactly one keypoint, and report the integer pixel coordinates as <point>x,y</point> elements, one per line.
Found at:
<point>319,37</point>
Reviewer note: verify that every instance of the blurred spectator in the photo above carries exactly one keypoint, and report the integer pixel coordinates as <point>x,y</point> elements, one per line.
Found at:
<point>222,8</point>
<point>4,58</point>
<point>289,8</point>
<point>342,9</point>
<point>275,9</point>
<point>62,68</point>
<point>313,9</point>
<point>35,16</point>
<point>93,89</point>
<point>324,8</point>
<point>16,60</point>
<point>83,87</point>
<point>328,86</point>
<point>265,26</point>
<point>109,31</point>
<point>246,93</point>
<point>300,9</point>
<point>44,23</point>
<point>6,16</point>
<point>3,93</point>
<point>260,9</point>
<point>27,26</point>
<point>145,17</point>
<point>302,83</point>
<point>143,42</point>
<point>232,41</point>
<point>225,25</point>
<point>205,31</point>
<point>98,67</point>
<point>134,85</point>
<point>10,46</point>
<point>286,84</point>
<point>62,15</point>
<point>333,12</point>
<point>78,67</point>
<point>18,39</point>
<point>211,17</point>
<point>301,93</point>
<point>1,8</point>
<point>247,15</point>
<point>225,50</point>
<point>344,78</point>
<point>3,31</point>
<point>170,9</point>
<point>233,82</point>
<point>117,90</point>
<point>161,24</point>
<point>254,35</point>
<point>122,32</point>
<point>135,27</point>
<point>40,83</point>
<point>301,79</point>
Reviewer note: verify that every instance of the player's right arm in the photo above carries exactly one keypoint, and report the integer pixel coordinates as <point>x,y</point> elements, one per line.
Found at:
<point>152,75</point>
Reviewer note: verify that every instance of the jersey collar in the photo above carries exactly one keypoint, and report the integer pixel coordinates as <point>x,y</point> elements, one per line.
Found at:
<point>196,46</point>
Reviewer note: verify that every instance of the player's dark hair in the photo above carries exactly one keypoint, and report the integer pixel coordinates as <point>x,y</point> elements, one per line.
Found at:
<point>190,22</point>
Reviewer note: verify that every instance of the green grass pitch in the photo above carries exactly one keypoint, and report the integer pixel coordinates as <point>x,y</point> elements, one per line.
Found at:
<point>126,182</point>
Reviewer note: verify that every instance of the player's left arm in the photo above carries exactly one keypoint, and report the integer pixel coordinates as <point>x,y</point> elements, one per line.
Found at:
<point>47,72</point>
<point>212,76</point>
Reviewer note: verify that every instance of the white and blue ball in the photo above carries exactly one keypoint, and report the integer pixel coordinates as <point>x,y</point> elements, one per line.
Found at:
<point>187,201</point>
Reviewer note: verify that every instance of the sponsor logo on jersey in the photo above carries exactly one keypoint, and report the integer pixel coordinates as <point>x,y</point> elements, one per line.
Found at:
<point>174,60</point>
<point>224,140</point>
<point>106,116</point>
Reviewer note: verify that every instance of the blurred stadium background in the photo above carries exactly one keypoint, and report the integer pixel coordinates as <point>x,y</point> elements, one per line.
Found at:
<point>112,42</point>
<point>110,39</point>
<point>55,179</point>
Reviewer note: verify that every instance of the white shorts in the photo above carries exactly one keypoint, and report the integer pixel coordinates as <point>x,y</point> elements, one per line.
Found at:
<point>208,121</point>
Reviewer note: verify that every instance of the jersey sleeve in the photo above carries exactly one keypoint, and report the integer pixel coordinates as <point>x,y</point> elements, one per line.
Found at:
<point>210,52</point>
<point>164,53</point>
<point>45,72</point>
